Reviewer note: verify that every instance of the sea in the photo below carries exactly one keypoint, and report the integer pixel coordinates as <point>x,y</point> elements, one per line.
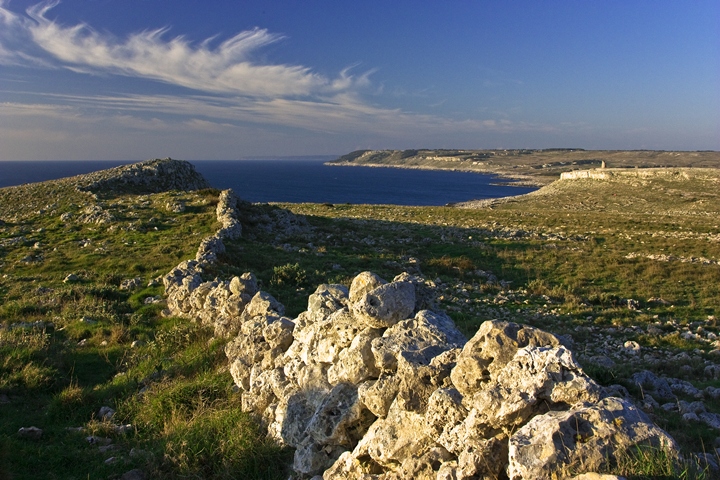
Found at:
<point>302,179</point>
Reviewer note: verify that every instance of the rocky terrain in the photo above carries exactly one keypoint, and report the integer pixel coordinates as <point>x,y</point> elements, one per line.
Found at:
<point>367,383</point>
<point>447,370</point>
<point>527,166</point>
<point>153,176</point>
<point>361,386</point>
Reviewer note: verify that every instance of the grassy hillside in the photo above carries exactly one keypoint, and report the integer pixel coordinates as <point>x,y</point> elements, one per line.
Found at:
<point>602,263</point>
<point>70,347</point>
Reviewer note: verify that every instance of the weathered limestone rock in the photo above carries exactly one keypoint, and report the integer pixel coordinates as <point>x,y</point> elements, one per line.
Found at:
<point>106,413</point>
<point>210,247</point>
<point>356,363</point>
<point>263,304</point>
<point>389,441</point>
<point>323,340</point>
<point>362,387</point>
<point>175,207</point>
<point>492,347</point>
<point>379,394</point>
<point>426,335</point>
<point>326,300</point>
<point>483,458</point>
<point>651,383</point>
<point>340,419</point>
<point>386,305</point>
<point>363,283</point>
<point>226,214</point>
<point>418,379</point>
<point>95,214</point>
<point>536,379</point>
<point>30,433</point>
<point>131,283</point>
<point>444,413</point>
<point>585,437</point>
<point>279,334</point>
<point>424,295</point>
<point>246,284</point>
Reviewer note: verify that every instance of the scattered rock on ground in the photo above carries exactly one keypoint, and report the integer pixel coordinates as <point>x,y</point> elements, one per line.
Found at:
<point>71,278</point>
<point>30,433</point>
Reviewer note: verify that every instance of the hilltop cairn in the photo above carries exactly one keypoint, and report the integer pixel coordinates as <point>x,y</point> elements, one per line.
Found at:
<point>366,385</point>
<point>151,176</point>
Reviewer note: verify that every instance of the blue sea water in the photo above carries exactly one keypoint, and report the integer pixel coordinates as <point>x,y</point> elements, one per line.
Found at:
<point>301,180</point>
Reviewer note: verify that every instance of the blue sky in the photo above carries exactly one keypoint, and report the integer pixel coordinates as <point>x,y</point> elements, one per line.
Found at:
<point>138,79</point>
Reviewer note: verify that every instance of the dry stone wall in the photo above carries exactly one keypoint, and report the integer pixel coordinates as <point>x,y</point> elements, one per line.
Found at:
<point>365,384</point>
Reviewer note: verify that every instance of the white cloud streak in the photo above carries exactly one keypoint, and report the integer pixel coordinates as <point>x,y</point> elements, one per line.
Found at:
<point>227,68</point>
<point>229,89</point>
<point>337,115</point>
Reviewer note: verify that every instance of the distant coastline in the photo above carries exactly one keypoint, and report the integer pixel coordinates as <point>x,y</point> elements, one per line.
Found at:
<point>513,180</point>
<point>528,167</point>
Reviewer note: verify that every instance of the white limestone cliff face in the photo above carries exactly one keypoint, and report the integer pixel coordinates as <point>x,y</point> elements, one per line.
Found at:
<point>365,384</point>
<point>609,173</point>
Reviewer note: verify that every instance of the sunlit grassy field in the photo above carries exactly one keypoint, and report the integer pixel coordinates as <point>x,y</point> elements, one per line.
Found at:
<point>625,260</point>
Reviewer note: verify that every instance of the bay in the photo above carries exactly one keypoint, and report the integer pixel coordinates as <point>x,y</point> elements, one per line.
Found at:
<point>302,179</point>
<point>309,180</point>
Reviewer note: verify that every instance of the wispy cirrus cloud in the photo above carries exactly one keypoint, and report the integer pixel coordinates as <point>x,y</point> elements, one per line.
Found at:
<point>227,87</point>
<point>227,68</point>
<point>338,114</point>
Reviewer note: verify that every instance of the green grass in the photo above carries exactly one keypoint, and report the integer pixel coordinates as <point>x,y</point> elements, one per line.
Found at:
<point>566,259</point>
<point>57,375</point>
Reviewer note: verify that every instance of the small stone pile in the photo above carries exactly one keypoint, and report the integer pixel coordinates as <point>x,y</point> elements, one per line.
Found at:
<point>367,384</point>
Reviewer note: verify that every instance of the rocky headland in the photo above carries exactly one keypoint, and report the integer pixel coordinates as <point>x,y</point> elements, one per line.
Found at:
<point>526,166</point>
<point>152,176</point>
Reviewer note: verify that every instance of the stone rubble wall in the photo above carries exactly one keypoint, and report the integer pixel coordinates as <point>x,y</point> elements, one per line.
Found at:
<point>366,385</point>
<point>217,301</point>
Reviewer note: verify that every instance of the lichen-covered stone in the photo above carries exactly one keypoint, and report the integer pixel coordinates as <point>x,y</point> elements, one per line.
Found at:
<point>386,305</point>
<point>362,387</point>
<point>584,438</point>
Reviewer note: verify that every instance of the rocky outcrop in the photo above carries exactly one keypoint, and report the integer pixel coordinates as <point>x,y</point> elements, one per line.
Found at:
<point>152,176</point>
